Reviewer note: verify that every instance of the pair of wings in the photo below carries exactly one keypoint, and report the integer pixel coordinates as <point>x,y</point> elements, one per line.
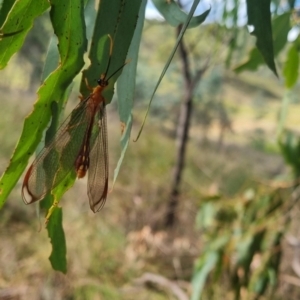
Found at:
<point>57,159</point>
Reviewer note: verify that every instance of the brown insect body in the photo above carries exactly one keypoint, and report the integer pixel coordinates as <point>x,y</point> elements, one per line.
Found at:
<point>95,99</point>
<point>89,118</point>
<point>79,145</point>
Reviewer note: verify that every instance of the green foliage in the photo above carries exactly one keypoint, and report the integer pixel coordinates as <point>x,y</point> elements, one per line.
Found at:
<point>264,51</point>
<point>56,233</point>
<point>289,143</point>
<point>242,243</point>
<point>54,88</point>
<point>126,89</point>
<point>175,16</point>
<point>290,70</point>
<point>18,20</point>
<point>5,6</point>
<point>259,16</point>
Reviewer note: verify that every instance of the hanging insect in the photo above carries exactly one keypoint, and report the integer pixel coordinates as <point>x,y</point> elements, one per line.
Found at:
<point>79,145</point>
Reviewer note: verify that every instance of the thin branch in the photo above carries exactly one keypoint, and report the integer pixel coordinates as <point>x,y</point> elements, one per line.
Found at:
<point>290,279</point>
<point>164,283</point>
<point>295,243</point>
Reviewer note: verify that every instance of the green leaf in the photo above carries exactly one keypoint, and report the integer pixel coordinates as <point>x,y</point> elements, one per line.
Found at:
<point>57,237</point>
<point>290,70</point>
<point>90,14</point>
<point>126,87</point>
<point>6,6</point>
<point>68,23</point>
<point>210,260</point>
<point>173,14</point>
<point>281,28</point>
<point>65,185</point>
<point>20,18</point>
<point>58,257</point>
<point>289,144</point>
<point>180,36</point>
<point>55,229</point>
<point>52,58</point>
<point>117,19</point>
<point>259,16</point>
<point>206,215</point>
<point>6,35</point>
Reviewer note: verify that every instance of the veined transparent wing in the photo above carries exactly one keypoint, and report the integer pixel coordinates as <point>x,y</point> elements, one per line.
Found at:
<point>98,168</point>
<point>57,159</point>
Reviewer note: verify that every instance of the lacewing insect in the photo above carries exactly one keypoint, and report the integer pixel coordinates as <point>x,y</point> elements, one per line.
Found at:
<point>79,145</point>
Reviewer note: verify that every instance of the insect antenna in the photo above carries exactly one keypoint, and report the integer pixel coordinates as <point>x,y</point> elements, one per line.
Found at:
<point>110,54</point>
<point>120,68</point>
<point>103,81</point>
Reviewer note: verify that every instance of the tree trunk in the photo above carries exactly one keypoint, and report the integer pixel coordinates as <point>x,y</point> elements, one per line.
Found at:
<point>181,135</point>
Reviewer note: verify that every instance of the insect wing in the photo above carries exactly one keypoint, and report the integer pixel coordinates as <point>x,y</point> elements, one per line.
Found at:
<point>98,169</point>
<point>57,159</point>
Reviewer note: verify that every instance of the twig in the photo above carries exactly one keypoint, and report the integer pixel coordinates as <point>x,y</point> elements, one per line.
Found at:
<point>290,279</point>
<point>164,283</point>
<point>295,243</point>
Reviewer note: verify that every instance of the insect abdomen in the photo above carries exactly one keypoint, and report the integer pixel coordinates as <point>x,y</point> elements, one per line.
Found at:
<point>82,162</point>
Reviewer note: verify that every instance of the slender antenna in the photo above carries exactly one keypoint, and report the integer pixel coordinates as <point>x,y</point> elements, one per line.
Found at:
<point>125,63</point>
<point>110,54</point>
<point>109,61</point>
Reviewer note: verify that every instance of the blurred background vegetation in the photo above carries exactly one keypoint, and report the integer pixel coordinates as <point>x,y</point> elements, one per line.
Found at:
<point>236,230</point>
